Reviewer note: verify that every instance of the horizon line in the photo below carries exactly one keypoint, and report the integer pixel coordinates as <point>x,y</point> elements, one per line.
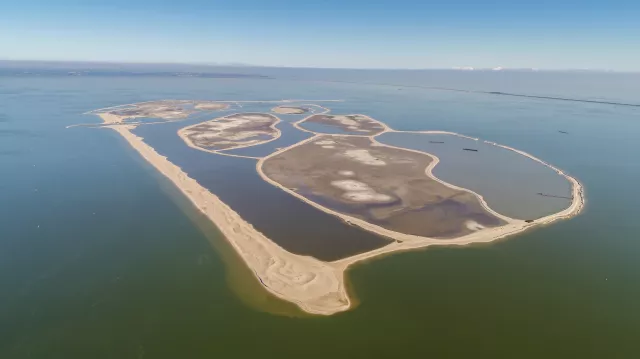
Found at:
<point>243,65</point>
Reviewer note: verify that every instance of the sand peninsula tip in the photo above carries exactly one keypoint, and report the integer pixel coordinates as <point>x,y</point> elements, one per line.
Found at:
<point>377,187</point>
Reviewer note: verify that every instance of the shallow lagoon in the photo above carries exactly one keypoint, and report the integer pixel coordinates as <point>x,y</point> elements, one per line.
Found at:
<point>508,181</point>
<point>289,222</point>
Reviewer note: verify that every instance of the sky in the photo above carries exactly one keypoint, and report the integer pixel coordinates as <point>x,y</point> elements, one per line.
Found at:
<point>559,34</point>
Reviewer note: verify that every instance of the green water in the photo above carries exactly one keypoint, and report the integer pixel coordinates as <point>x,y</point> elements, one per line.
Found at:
<point>145,277</point>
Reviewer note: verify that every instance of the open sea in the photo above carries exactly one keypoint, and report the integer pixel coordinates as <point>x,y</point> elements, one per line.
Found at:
<point>101,257</point>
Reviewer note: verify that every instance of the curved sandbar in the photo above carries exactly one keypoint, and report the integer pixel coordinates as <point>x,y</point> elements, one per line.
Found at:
<point>315,286</point>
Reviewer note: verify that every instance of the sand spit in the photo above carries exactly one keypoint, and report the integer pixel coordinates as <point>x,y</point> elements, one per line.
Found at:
<point>315,286</point>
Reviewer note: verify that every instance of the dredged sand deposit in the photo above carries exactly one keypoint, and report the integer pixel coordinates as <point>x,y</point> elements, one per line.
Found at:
<point>316,286</point>
<point>289,110</point>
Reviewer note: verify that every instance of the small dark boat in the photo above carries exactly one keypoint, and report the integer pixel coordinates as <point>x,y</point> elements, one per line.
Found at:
<point>436,141</point>
<point>470,149</point>
<point>565,132</point>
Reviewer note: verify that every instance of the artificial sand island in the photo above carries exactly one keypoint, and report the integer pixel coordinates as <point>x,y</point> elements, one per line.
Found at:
<point>289,110</point>
<point>231,132</point>
<point>387,190</point>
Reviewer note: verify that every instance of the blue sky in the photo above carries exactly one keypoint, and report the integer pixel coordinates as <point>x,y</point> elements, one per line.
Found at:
<point>544,34</point>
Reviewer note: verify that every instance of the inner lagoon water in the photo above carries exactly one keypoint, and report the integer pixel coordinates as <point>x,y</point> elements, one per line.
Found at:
<point>510,182</point>
<point>291,223</point>
<point>101,258</point>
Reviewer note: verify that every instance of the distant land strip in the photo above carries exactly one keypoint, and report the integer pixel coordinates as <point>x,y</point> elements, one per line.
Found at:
<point>498,93</point>
<point>560,98</point>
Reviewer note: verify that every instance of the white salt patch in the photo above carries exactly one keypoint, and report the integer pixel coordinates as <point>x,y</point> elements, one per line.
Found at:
<point>346,173</point>
<point>236,130</point>
<point>246,134</point>
<point>473,225</point>
<point>344,120</point>
<point>367,197</point>
<point>328,147</point>
<point>210,106</point>
<point>288,110</point>
<point>363,156</point>
<point>325,142</point>
<point>200,136</point>
<point>360,192</point>
<point>351,185</point>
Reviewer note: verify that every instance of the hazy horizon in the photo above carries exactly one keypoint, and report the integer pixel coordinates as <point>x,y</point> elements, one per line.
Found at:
<point>401,34</point>
<point>70,63</point>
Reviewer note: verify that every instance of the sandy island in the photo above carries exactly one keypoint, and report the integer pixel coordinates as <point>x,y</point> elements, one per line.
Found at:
<point>316,286</point>
<point>289,110</point>
<point>231,132</point>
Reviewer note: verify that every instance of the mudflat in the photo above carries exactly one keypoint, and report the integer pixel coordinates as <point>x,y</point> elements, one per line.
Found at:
<point>233,131</point>
<point>163,109</point>
<point>351,124</point>
<point>382,185</point>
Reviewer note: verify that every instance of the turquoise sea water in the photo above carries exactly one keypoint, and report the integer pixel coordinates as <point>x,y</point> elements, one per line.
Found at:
<point>100,257</point>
